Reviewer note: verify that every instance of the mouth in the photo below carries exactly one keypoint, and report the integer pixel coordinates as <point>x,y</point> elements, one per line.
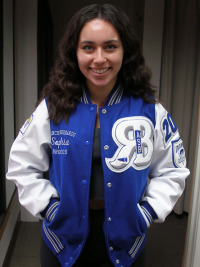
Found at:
<point>100,71</point>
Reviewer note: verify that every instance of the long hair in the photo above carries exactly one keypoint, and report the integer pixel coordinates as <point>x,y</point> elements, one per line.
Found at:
<point>64,88</point>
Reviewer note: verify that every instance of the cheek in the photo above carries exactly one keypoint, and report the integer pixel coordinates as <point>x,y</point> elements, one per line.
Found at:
<point>82,61</point>
<point>118,59</point>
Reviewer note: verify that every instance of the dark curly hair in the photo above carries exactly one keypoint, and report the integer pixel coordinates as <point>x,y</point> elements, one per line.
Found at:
<point>64,88</point>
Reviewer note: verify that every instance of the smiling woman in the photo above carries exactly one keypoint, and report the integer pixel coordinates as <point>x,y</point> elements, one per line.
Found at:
<point>100,90</point>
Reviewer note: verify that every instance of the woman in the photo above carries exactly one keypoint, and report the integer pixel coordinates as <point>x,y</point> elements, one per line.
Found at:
<point>100,133</point>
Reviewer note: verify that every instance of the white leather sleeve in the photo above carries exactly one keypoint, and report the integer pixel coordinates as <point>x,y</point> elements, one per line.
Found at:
<point>168,167</point>
<point>29,159</point>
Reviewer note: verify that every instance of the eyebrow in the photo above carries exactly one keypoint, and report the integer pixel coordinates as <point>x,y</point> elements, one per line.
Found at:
<point>106,42</point>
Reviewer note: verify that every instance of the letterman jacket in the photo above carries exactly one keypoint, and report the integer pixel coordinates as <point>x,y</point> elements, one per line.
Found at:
<point>138,140</point>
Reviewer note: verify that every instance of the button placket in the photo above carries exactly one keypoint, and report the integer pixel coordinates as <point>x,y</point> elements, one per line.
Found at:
<point>109,184</point>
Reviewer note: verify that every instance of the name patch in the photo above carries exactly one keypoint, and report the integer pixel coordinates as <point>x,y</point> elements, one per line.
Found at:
<point>60,141</point>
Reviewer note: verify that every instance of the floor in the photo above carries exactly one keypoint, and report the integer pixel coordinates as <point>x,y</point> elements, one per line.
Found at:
<point>165,244</point>
<point>26,251</point>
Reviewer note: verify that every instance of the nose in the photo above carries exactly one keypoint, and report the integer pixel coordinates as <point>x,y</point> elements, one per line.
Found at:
<point>99,57</point>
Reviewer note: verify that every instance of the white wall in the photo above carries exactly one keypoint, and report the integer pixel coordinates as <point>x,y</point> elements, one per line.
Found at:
<point>25,69</point>
<point>153,37</point>
<point>8,87</point>
<point>25,59</point>
<point>8,91</point>
<point>25,66</point>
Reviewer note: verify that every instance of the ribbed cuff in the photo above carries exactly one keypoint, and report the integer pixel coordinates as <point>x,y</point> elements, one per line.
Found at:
<point>51,209</point>
<point>149,212</point>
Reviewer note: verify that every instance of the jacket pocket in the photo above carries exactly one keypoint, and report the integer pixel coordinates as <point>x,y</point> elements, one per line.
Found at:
<point>48,227</point>
<point>145,214</point>
<point>53,239</point>
<point>139,242</point>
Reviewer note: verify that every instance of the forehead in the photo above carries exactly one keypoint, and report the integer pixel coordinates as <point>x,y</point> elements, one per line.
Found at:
<point>98,29</point>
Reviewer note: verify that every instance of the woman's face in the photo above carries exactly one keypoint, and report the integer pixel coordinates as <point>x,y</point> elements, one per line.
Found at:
<point>99,54</point>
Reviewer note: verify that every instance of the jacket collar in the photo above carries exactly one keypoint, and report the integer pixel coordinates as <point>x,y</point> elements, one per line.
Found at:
<point>114,97</point>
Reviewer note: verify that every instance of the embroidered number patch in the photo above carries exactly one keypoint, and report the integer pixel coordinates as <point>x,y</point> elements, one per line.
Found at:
<point>134,138</point>
<point>168,128</point>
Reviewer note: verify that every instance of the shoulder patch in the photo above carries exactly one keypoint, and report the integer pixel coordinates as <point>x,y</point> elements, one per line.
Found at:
<point>178,154</point>
<point>26,125</point>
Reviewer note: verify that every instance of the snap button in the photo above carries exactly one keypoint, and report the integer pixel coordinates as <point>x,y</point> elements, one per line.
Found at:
<point>92,109</point>
<point>117,261</point>
<point>111,248</point>
<point>109,219</point>
<point>109,185</point>
<point>87,143</point>
<point>84,181</point>
<point>104,111</point>
<point>106,147</point>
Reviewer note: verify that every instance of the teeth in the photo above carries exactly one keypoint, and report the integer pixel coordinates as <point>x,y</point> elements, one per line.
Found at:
<point>100,71</point>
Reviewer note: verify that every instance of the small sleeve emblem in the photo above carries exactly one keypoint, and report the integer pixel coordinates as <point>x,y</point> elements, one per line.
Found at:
<point>26,125</point>
<point>178,154</point>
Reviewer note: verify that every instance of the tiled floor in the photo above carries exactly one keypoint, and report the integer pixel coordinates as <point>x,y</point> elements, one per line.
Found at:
<point>165,244</point>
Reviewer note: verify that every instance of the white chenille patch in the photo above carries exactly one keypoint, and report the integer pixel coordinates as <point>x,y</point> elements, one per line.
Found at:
<point>178,153</point>
<point>26,125</point>
<point>134,138</point>
<point>168,129</point>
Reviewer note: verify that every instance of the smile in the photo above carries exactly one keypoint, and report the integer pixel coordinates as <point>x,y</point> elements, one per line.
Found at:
<point>100,71</point>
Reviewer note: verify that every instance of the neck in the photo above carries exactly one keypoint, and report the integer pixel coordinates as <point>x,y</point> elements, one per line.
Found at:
<point>99,95</point>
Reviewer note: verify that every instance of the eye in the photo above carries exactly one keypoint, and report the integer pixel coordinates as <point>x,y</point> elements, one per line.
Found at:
<point>88,48</point>
<point>110,47</point>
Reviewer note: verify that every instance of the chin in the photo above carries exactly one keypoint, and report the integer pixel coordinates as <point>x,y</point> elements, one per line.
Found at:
<point>104,83</point>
